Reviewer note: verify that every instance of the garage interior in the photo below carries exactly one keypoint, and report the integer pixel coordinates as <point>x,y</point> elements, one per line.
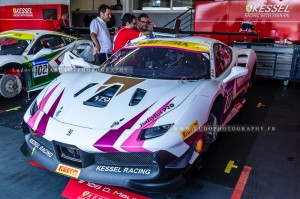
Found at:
<point>258,164</point>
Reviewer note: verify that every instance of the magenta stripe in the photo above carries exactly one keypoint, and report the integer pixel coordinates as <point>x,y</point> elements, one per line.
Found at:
<point>132,144</point>
<point>55,104</point>
<point>32,120</point>
<point>41,129</point>
<point>106,142</point>
<point>46,98</point>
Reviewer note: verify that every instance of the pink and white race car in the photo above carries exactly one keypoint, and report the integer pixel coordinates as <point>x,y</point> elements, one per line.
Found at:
<point>137,121</point>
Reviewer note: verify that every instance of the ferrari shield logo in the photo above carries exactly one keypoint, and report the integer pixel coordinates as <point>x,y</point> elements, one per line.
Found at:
<point>248,8</point>
<point>69,132</point>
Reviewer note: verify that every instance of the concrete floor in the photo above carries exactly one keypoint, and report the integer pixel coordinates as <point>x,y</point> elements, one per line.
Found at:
<point>271,155</point>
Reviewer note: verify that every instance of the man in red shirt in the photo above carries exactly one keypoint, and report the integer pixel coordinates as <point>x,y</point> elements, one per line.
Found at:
<point>47,24</point>
<point>62,22</point>
<point>127,32</point>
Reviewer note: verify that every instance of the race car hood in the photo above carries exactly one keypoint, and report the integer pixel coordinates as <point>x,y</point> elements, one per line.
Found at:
<point>102,101</point>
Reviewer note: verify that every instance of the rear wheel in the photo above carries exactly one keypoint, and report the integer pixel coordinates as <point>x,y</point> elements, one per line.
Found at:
<point>10,86</point>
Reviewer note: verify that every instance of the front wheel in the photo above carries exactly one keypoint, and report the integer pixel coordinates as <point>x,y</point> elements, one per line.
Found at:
<point>210,131</point>
<point>10,86</point>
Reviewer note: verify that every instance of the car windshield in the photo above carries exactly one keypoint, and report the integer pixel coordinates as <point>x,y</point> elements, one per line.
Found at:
<point>84,49</point>
<point>158,63</point>
<point>11,46</point>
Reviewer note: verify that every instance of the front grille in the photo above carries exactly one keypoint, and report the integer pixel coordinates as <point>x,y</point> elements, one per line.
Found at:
<point>126,159</point>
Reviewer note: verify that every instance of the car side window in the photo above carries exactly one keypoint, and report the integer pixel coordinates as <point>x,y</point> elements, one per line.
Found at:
<point>47,41</point>
<point>68,40</point>
<point>223,58</point>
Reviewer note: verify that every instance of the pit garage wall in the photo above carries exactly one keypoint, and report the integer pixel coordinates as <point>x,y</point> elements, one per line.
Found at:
<point>21,15</point>
<point>278,19</point>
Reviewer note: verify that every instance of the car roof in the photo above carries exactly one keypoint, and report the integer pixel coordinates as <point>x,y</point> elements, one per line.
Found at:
<point>180,42</point>
<point>36,32</point>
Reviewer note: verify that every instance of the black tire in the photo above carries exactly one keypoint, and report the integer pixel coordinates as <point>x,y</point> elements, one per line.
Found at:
<point>10,86</point>
<point>215,119</point>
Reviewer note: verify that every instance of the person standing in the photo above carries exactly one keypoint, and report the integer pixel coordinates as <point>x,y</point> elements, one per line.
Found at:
<point>143,22</point>
<point>100,35</point>
<point>62,22</point>
<point>127,32</point>
<point>47,24</point>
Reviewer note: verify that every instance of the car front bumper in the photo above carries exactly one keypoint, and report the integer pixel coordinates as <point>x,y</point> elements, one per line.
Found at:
<point>148,172</point>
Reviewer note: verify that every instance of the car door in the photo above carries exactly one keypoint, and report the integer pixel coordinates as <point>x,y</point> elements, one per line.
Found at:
<point>44,58</point>
<point>223,63</point>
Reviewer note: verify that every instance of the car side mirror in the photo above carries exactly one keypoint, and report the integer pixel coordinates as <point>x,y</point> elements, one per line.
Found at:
<point>42,52</point>
<point>236,71</point>
<point>80,63</point>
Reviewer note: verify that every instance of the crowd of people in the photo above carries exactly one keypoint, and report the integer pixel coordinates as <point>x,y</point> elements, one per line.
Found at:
<point>132,28</point>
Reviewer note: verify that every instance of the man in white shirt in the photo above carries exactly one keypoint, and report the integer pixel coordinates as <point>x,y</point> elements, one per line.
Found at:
<point>100,35</point>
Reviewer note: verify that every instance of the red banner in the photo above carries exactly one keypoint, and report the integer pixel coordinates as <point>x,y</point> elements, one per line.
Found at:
<point>87,190</point>
<point>26,16</point>
<point>278,19</point>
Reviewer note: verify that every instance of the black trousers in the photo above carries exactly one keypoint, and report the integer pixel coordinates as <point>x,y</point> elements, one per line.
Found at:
<point>101,58</point>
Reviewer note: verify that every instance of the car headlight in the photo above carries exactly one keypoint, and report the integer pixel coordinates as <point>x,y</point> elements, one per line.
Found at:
<point>34,108</point>
<point>154,131</point>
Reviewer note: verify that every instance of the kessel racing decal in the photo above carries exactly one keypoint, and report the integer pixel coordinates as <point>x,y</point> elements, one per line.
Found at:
<point>115,169</point>
<point>40,147</point>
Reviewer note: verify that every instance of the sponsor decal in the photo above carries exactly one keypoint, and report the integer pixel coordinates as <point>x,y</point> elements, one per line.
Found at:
<point>17,35</point>
<point>40,147</point>
<point>114,169</point>
<point>269,10</point>
<point>69,132</point>
<point>90,195</point>
<point>190,46</point>
<point>190,130</point>
<point>67,170</point>
<point>22,12</point>
<point>157,114</point>
<point>127,83</point>
<point>102,99</point>
<point>40,68</point>
<point>87,190</point>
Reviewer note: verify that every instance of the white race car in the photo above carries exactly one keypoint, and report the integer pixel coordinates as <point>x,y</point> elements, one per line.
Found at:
<point>29,59</point>
<point>138,121</point>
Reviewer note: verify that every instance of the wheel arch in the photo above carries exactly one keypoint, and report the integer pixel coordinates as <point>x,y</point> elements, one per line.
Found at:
<point>12,68</point>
